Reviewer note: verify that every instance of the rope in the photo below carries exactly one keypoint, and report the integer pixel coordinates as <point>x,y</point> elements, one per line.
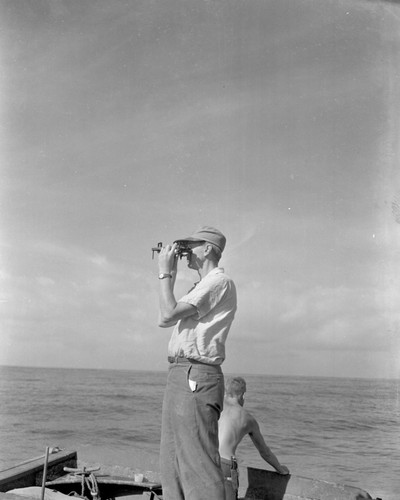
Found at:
<point>87,479</point>
<point>91,483</point>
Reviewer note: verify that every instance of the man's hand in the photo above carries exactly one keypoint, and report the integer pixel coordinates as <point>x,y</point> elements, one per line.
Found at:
<point>167,259</point>
<point>283,470</point>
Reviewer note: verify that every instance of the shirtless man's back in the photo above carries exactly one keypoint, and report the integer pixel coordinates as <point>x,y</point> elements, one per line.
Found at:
<point>234,423</point>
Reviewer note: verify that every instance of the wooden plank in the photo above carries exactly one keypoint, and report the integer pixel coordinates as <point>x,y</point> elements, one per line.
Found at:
<point>30,473</point>
<point>103,479</point>
<point>110,486</point>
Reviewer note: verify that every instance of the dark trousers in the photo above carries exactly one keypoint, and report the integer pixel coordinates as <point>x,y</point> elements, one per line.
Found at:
<point>189,456</point>
<point>231,476</point>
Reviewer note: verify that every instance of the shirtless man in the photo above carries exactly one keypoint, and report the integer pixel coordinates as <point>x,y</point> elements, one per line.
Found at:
<point>235,422</point>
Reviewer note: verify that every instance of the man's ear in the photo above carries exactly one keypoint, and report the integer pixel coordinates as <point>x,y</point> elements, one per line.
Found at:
<point>208,249</point>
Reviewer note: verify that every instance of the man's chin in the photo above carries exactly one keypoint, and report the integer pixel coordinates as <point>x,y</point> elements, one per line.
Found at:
<point>191,265</point>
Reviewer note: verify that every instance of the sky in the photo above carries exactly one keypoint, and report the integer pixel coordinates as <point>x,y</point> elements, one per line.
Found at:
<point>128,123</point>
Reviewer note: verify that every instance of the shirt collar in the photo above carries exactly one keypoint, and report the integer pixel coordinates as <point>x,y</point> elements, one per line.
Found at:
<point>216,270</point>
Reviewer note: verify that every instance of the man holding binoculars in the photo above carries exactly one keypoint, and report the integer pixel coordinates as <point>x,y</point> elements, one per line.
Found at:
<point>193,399</point>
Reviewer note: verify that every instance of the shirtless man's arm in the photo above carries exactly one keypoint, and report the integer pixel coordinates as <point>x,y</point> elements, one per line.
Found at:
<point>264,450</point>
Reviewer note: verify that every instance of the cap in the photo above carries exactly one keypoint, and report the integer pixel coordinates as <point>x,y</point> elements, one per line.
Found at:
<point>209,234</point>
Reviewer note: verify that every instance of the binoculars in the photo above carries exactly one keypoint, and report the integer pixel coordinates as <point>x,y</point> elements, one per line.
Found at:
<point>182,249</point>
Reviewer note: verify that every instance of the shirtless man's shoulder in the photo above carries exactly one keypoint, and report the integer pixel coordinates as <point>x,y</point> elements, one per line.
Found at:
<point>235,422</point>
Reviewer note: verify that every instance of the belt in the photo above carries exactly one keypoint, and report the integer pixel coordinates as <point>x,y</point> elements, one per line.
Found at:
<point>232,462</point>
<point>179,359</point>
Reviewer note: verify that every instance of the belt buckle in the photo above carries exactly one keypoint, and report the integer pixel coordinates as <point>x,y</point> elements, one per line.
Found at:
<point>174,359</point>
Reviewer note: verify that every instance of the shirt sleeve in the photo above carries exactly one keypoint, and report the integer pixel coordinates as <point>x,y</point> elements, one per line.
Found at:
<point>206,295</point>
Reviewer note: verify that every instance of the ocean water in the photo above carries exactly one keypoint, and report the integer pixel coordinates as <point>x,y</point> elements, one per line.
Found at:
<point>341,430</point>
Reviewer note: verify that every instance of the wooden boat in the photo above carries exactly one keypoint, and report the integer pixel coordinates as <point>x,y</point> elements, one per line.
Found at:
<point>64,477</point>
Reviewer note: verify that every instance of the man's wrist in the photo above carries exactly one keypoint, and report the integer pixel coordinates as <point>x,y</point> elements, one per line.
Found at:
<point>161,276</point>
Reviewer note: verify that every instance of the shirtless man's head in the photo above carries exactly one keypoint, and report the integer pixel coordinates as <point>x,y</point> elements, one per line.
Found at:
<point>235,387</point>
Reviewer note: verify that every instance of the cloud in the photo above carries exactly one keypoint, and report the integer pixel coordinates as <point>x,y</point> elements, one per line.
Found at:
<point>128,126</point>
<point>82,297</point>
<point>315,319</point>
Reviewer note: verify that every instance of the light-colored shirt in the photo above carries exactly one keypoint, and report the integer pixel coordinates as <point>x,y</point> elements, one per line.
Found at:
<point>202,337</point>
